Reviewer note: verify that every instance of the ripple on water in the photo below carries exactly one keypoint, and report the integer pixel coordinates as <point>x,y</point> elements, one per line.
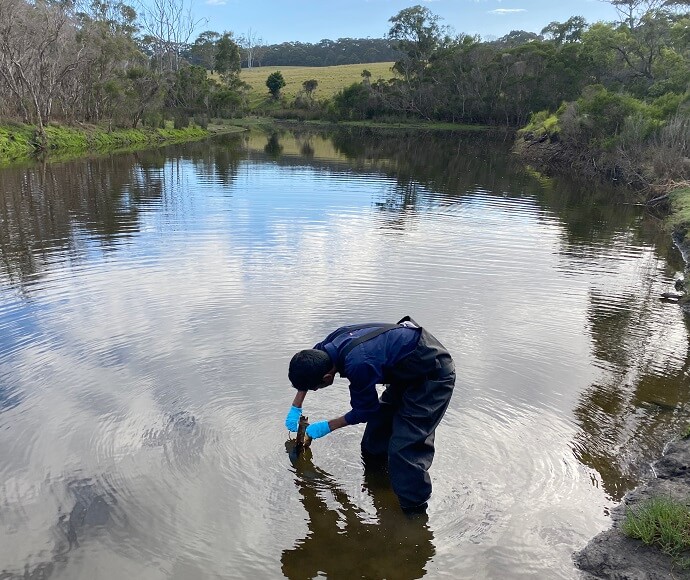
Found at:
<point>503,487</point>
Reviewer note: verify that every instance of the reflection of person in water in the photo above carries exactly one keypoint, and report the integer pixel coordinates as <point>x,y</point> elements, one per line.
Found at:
<point>342,544</point>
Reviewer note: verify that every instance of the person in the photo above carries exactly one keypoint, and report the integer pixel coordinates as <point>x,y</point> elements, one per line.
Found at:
<point>419,375</point>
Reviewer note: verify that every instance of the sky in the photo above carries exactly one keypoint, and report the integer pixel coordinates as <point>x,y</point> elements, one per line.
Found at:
<point>276,21</point>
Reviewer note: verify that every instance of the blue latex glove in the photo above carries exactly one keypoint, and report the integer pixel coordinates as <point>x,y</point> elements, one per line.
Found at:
<point>292,419</point>
<point>319,429</point>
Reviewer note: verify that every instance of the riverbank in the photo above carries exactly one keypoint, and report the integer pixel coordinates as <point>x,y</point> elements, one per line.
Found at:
<point>615,556</point>
<point>18,141</point>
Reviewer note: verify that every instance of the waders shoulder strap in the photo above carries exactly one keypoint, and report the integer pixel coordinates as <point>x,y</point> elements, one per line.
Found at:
<point>364,338</point>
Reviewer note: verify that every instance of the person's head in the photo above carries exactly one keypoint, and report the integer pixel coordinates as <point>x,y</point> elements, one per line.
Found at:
<point>311,370</point>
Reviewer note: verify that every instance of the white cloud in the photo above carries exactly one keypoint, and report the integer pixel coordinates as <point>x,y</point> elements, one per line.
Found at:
<point>503,11</point>
<point>216,2</point>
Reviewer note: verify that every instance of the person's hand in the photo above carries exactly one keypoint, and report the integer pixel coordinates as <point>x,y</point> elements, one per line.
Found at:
<point>319,429</point>
<point>292,419</point>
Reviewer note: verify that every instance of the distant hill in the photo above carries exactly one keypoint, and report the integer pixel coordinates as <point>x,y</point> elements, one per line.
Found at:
<point>325,52</point>
<point>331,79</point>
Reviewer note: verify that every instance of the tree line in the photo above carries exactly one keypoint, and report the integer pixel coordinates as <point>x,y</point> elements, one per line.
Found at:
<point>612,94</point>
<point>604,86</point>
<point>101,61</point>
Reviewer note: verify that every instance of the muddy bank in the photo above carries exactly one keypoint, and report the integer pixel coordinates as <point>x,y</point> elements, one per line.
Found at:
<point>613,555</point>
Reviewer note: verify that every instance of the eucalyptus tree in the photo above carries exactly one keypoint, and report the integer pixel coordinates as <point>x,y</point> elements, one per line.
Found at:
<point>227,58</point>
<point>167,26</point>
<point>417,34</point>
<point>202,52</point>
<point>108,29</point>
<point>39,49</point>
<point>565,32</point>
<point>642,52</point>
<point>249,43</point>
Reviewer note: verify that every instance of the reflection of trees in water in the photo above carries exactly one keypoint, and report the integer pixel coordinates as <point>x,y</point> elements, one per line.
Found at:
<point>448,164</point>
<point>273,148</point>
<point>626,417</point>
<point>627,414</point>
<point>594,215</point>
<point>43,208</point>
<point>344,542</point>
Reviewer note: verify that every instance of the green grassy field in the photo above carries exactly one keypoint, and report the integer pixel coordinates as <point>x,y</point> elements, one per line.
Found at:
<point>331,78</point>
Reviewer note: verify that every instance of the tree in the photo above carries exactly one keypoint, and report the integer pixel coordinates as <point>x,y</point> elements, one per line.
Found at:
<point>203,51</point>
<point>416,33</point>
<point>168,25</point>
<point>633,12</point>
<point>517,38</point>
<point>275,82</point>
<point>39,50</point>
<point>143,93</point>
<point>249,43</point>
<point>569,31</point>
<point>227,58</point>
<point>310,86</point>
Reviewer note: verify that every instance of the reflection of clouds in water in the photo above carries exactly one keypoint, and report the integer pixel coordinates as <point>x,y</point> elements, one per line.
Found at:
<point>138,358</point>
<point>177,325</point>
<point>509,488</point>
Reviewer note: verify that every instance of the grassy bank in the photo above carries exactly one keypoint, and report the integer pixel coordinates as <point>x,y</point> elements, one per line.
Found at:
<point>661,522</point>
<point>679,220</point>
<point>18,141</point>
<point>255,122</point>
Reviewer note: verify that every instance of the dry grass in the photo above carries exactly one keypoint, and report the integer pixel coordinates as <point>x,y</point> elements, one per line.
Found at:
<point>330,78</point>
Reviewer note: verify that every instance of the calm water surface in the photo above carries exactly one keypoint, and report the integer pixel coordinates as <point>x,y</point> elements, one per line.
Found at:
<point>150,303</point>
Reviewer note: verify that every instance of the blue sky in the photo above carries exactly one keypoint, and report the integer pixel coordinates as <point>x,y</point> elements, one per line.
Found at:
<point>278,21</point>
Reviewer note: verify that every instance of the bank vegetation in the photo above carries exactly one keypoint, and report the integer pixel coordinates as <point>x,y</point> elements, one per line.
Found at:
<point>608,100</point>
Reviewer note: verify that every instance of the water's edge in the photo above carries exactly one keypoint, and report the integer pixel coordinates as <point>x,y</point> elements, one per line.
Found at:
<point>613,555</point>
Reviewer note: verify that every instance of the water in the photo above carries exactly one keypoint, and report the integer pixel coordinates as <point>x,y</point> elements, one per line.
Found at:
<point>150,303</point>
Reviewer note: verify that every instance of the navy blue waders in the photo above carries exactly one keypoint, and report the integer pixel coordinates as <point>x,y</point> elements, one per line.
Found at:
<point>418,390</point>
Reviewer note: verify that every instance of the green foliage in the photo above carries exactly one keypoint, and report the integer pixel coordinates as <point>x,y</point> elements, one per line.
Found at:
<point>225,102</point>
<point>542,123</point>
<point>353,102</point>
<point>680,220</point>
<point>275,82</point>
<point>309,86</point>
<point>606,111</point>
<point>227,58</point>
<point>203,50</point>
<point>153,119</point>
<point>15,141</point>
<point>415,32</point>
<point>660,522</point>
<point>563,32</point>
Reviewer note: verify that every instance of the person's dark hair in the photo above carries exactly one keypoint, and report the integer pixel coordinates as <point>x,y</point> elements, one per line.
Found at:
<point>307,369</point>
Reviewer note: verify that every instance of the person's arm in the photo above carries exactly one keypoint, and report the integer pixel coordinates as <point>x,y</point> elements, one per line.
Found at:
<point>337,423</point>
<point>299,399</point>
